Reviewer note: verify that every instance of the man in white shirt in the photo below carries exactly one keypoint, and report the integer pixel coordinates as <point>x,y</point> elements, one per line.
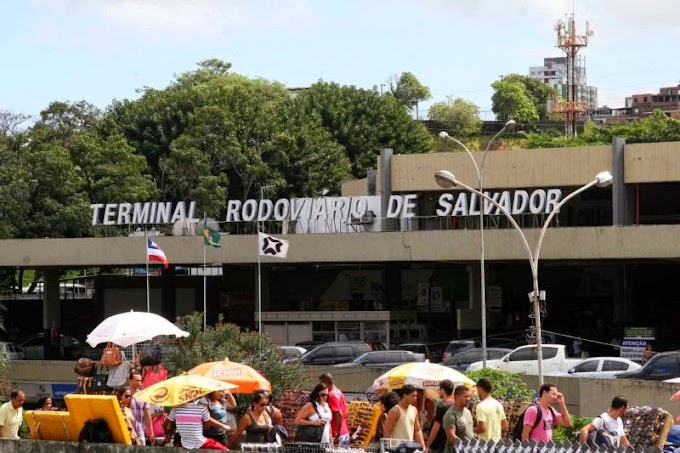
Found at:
<point>11,415</point>
<point>610,422</point>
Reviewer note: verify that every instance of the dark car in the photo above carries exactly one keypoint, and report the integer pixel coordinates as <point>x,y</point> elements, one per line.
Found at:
<point>335,352</point>
<point>456,346</point>
<point>428,350</point>
<point>383,359</point>
<point>461,360</point>
<point>34,347</point>
<point>665,365</point>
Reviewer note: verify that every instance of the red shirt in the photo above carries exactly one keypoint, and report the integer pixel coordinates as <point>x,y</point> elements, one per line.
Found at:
<point>337,403</point>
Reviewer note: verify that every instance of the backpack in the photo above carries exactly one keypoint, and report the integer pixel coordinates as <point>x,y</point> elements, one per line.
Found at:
<point>519,426</point>
<point>599,437</point>
<point>151,355</point>
<point>96,431</point>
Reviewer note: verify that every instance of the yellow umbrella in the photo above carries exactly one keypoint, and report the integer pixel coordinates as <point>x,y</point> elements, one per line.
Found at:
<point>181,389</point>
<point>247,379</point>
<point>422,375</point>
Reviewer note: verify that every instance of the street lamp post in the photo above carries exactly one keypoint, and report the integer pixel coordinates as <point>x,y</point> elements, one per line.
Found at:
<point>480,175</point>
<point>447,179</point>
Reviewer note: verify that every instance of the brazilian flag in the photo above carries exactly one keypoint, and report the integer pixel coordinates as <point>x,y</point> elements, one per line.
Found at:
<point>211,237</point>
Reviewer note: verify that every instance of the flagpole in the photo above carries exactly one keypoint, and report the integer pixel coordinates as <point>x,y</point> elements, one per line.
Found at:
<point>146,253</point>
<point>205,284</point>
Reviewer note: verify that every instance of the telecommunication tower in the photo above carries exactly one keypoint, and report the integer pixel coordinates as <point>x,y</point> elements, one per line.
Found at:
<point>571,44</point>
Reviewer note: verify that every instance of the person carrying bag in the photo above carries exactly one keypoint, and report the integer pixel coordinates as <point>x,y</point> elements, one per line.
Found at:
<point>313,421</point>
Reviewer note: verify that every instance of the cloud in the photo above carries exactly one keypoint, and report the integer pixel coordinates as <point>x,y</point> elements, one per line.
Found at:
<point>166,20</point>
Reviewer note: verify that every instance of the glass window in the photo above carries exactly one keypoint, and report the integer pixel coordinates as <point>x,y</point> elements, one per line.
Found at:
<point>549,353</point>
<point>496,354</point>
<point>587,367</point>
<point>473,356</point>
<point>664,365</point>
<point>523,354</point>
<point>614,365</point>
<point>324,352</point>
<point>361,348</point>
<point>345,351</point>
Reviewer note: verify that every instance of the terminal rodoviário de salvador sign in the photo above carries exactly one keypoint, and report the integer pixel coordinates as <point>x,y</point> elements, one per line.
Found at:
<point>462,204</point>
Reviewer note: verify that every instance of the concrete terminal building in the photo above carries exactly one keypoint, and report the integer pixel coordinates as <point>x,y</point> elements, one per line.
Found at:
<point>403,263</point>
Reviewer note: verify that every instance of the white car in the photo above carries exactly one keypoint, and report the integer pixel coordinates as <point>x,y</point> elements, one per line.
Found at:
<point>599,367</point>
<point>11,351</point>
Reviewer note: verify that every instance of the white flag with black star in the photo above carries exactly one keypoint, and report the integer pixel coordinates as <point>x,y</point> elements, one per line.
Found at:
<point>271,246</point>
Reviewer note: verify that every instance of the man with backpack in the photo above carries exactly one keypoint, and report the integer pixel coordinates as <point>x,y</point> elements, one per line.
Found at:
<point>608,427</point>
<point>540,418</point>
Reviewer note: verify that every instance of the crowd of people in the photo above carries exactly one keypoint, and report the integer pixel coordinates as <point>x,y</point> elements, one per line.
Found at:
<point>208,422</point>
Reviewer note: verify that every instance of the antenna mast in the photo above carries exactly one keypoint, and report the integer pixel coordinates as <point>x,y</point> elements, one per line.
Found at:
<point>571,44</point>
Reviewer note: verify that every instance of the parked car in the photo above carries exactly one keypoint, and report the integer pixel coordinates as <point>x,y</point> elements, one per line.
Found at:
<point>663,366</point>
<point>599,367</point>
<point>11,351</point>
<point>383,359</point>
<point>456,346</point>
<point>525,360</point>
<point>335,352</point>
<point>309,345</point>
<point>34,347</point>
<point>463,359</point>
<point>292,353</point>
<point>426,349</point>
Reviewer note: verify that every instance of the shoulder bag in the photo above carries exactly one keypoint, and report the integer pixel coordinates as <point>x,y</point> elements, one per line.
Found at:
<point>310,433</point>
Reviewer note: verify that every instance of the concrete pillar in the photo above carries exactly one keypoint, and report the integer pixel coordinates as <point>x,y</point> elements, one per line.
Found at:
<point>385,166</point>
<point>622,196</point>
<point>52,315</point>
<point>372,182</point>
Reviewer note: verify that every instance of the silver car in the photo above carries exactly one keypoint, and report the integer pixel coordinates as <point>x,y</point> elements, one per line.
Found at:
<point>599,367</point>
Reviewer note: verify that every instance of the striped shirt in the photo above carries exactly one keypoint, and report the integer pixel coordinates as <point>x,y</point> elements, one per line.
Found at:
<point>189,419</point>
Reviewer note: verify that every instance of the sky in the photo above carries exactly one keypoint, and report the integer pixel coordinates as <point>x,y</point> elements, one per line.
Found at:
<point>101,50</point>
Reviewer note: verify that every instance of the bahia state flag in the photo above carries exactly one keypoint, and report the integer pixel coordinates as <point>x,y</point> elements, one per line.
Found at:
<point>211,237</point>
<point>154,253</point>
<point>271,246</point>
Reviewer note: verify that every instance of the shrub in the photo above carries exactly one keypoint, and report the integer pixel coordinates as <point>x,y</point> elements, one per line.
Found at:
<point>226,340</point>
<point>506,385</point>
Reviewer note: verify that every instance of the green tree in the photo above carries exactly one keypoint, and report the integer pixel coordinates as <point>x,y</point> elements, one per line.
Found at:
<point>313,160</point>
<point>511,100</point>
<point>408,89</point>
<point>540,93</point>
<point>111,170</point>
<point>59,206</point>
<point>458,116</point>
<point>363,122</point>
<point>228,341</point>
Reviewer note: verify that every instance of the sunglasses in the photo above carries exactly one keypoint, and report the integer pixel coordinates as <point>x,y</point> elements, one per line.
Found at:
<point>127,396</point>
<point>323,394</point>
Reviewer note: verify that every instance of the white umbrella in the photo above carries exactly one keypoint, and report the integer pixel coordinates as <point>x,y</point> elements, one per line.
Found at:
<point>126,329</point>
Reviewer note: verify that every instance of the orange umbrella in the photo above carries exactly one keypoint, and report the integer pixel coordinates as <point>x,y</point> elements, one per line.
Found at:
<point>246,378</point>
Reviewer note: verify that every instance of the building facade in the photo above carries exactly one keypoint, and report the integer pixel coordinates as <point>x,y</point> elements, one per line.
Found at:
<point>554,73</point>
<point>409,269</point>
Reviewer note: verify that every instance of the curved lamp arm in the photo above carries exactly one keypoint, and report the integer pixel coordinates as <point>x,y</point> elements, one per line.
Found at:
<point>603,179</point>
<point>444,134</point>
<point>507,214</point>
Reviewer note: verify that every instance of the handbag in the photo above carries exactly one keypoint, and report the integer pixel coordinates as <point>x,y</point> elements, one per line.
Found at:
<point>111,356</point>
<point>119,375</point>
<point>98,383</point>
<point>310,433</point>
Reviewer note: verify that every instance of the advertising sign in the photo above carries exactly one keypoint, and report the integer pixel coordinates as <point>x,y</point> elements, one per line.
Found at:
<point>635,341</point>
